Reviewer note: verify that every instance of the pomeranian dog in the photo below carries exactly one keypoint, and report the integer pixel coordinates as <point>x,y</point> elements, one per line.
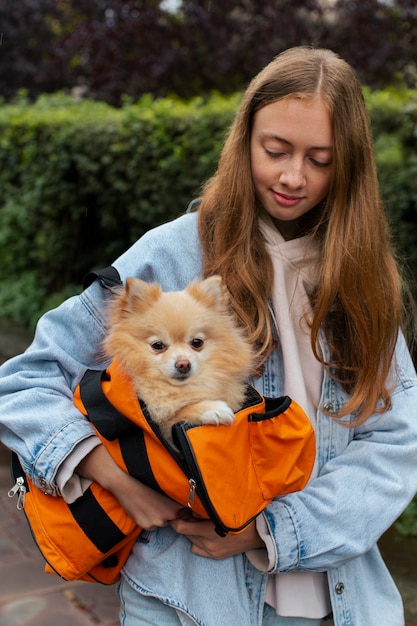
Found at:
<point>186,356</point>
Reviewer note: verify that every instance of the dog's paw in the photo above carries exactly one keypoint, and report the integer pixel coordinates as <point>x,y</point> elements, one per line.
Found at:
<point>218,413</point>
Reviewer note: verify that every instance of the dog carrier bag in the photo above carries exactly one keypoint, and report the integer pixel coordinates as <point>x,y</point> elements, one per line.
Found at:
<point>228,474</point>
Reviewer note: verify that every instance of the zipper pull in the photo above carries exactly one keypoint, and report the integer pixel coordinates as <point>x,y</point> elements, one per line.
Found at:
<point>191,493</point>
<point>20,488</point>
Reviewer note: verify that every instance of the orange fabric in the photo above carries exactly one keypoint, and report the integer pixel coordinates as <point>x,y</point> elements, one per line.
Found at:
<point>66,548</point>
<point>258,461</point>
<point>263,454</point>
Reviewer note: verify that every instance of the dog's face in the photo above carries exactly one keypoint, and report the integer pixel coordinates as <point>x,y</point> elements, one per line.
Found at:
<point>173,336</point>
<point>177,358</point>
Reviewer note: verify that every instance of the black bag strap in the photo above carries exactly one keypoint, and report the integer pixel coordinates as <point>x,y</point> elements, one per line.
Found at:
<point>109,422</point>
<point>96,524</point>
<point>108,278</point>
<point>111,425</point>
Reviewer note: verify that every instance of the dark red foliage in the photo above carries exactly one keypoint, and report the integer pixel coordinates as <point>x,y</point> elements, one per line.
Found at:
<point>130,47</point>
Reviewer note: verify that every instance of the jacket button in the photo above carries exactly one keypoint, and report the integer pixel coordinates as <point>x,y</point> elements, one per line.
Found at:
<point>339,588</point>
<point>328,407</point>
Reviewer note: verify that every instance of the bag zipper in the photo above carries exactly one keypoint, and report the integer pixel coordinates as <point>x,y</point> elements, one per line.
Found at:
<point>189,465</point>
<point>20,489</point>
<point>185,459</point>
<point>191,493</point>
<point>196,482</point>
<point>176,453</point>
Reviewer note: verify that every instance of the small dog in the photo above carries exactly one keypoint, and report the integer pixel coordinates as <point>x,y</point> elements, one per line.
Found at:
<point>183,350</point>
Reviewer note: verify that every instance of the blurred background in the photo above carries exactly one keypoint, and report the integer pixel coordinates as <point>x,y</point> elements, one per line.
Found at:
<point>109,49</point>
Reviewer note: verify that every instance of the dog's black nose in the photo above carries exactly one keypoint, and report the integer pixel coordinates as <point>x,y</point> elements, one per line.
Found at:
<point>183,366</point>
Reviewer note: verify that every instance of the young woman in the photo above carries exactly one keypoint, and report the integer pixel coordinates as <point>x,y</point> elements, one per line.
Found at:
<point>293,222</point>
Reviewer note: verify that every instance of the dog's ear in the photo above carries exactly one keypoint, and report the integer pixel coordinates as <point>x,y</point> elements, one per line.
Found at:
<point>138,292</point>
<point>212,290</point>
<point>134,296</point>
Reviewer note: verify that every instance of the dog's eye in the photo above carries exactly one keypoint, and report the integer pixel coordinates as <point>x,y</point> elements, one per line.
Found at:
<point>197,343</point>
<point>158,346</point>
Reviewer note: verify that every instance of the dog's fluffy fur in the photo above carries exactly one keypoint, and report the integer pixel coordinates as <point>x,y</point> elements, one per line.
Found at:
<point>187,358</point>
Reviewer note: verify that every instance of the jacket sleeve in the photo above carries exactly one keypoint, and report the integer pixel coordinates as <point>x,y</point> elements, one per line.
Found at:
<point>37,417</point>
<point>361,489</point>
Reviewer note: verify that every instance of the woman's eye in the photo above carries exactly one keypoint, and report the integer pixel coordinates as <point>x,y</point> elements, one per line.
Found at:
<point>272,154</point>
<point>197,343</point>
<point>158,346</point>
<point>321,163</point>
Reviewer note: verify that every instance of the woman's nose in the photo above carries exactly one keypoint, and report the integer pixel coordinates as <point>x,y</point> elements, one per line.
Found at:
<point>292,175</point>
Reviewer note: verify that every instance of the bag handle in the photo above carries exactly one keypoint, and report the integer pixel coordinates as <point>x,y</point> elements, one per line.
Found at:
<point>108,278</point>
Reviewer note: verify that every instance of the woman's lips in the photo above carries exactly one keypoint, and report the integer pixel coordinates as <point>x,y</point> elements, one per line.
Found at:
<point>285,200</point>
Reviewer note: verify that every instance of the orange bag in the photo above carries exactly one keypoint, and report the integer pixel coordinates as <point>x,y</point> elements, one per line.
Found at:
<point>226,473</point>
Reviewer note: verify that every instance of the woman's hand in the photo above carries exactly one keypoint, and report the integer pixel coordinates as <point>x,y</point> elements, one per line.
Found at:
<point>148,508</point>
<point>206,542</point>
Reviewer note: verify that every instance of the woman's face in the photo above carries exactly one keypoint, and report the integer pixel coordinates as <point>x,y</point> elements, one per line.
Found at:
<point>291,159</point>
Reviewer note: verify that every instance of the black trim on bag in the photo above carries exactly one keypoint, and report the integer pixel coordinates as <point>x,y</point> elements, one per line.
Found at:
<point>252,398</point>
<point>108,278</point>
<point>109,422</point>
<point>181,439</point>
<point>17,472</point>
<point>86,523</point>
<point>95,523</point>
<point>17,469</point>
<point>274,408</point>
<point>174,452</point>
<point>135,455</point>
<point>112,424</point>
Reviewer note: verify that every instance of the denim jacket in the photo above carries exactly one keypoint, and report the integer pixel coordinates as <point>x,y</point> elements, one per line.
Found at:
<point>367,474</point>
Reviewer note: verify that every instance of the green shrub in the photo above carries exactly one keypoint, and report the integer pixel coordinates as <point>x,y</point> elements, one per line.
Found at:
<point>394,120</point>
<point>406,525</point>
<point>81,181</point>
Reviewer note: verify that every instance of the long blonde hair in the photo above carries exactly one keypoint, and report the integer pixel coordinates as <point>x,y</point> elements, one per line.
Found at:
<point>358,301</point>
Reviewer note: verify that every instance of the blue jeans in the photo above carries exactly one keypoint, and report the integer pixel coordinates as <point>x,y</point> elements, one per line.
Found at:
<point>137,609</point>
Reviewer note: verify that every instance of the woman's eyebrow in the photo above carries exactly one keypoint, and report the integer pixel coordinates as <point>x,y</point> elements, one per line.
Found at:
<point>286,141</point>
<point>329,148</point>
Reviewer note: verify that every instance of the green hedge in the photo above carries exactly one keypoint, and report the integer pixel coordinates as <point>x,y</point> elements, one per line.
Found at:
<point>80,181</point>
<point>394,119</point>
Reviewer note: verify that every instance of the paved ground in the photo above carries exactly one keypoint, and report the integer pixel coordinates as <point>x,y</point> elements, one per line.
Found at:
<point>29,597</point>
